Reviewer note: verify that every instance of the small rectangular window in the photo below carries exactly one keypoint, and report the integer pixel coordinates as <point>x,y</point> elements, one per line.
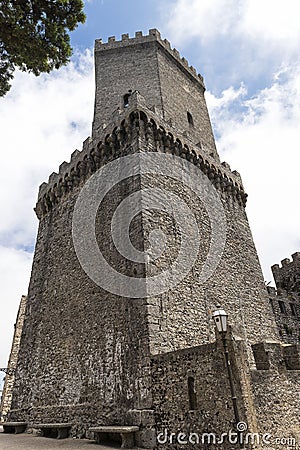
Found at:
<point>293,309</point>
<point>190,119</point>
<point>192,393</point>
<point>282,306</point>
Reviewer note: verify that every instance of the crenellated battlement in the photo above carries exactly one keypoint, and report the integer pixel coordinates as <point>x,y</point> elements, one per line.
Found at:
<point>285,298</point>
<point>275,356</point>
<point>150,65</point>
<point>138,120</point>
<point>153,36</point>
<point>287,277</point>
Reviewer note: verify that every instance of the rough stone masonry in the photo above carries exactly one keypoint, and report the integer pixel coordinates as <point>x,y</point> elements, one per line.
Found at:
<point>91,357</point>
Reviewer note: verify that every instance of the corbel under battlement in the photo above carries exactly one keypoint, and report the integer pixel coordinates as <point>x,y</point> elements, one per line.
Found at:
<point>136,118</point>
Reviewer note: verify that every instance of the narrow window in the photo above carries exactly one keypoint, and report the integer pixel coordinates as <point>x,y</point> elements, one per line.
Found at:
<point>293,309</point>
<point>126,100</point>
<point>192,393</point>
<point>282,306</point>
<point>190,119</point>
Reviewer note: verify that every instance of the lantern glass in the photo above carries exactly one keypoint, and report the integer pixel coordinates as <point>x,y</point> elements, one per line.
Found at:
<point>220,318</point>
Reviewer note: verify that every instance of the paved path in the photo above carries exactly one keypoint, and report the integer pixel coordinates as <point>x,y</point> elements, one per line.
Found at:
<point>29,442</point>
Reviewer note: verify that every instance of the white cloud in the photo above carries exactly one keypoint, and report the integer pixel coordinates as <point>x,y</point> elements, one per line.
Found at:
<point>228,96</point>
<point>272,20</point>
<point>15,268</point>
<point>200,18</point>
<point>267,20</point>
<point>235,39</point>
<point>260,137</point>
<point>43,120</point>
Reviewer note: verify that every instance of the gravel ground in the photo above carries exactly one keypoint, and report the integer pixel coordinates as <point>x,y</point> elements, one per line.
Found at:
<point>29,442</point>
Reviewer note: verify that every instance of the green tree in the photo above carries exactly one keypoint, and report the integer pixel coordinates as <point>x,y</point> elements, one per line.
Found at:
<point>34,35</point>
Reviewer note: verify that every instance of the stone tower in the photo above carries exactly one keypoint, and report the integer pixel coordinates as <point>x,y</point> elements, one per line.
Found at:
<point>88,348</point>
<point>285,298</point>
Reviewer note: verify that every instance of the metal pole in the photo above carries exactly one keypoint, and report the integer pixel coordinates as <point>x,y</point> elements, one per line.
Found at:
<point>232,389</point>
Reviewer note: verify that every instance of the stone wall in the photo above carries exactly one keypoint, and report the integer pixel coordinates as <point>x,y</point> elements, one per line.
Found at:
<point>210,413</point>
<point>267,397</point>
<point>7,393</point>
<point>286,309</point>
<point>181,317</point>
<point>181,95</point>
<point>276,386</point>
<point>285,299</point>
<point>287,277</point>
<point>80,344</point>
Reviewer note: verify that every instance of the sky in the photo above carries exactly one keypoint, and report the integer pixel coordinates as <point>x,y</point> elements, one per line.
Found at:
<point>248,53</point>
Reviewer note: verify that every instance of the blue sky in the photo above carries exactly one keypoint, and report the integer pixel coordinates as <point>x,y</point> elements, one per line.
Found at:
<point>248,53</point>
<point>112,17</point>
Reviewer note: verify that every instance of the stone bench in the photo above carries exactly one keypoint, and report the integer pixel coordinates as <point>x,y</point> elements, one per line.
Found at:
<point>126,432</point>
<point>14,427</point>
<point>54,430</point>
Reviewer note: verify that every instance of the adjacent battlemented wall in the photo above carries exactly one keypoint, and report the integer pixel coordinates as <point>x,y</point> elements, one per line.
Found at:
<point>276,386</point>
<point>267,397</point>
<point>285,299</point>
<point>191,397</point>
<point>7,393</point>
<point>287,277</point>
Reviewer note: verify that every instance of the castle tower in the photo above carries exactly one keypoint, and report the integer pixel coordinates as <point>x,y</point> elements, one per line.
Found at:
<point>89,333</point>
<point>287,277</point>
<point>285,300</point>
<point>171,88</point>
